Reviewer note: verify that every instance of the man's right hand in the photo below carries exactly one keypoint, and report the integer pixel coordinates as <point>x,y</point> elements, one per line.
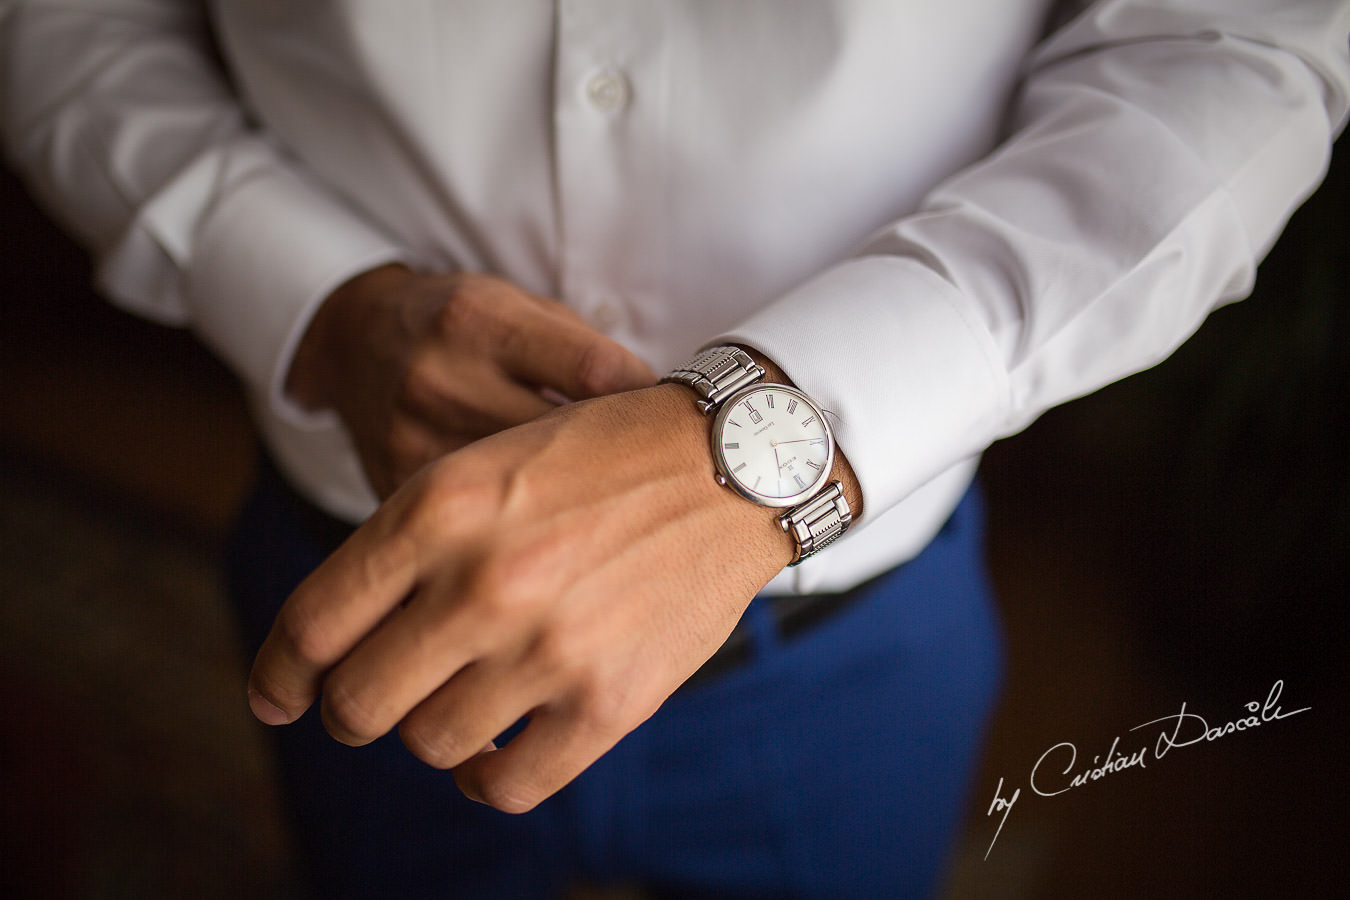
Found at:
<point>420,365</point>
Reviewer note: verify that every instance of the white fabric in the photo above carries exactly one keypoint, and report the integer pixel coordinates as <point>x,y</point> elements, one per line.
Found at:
<point>938,228</point>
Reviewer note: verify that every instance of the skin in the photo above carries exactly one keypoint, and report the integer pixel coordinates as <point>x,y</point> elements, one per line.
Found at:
<point>558,568</point>
<point>419,365</point>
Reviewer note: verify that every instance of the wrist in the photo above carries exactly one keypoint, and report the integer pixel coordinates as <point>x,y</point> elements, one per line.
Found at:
<point>772,445</point>
<point>841,471</point>
<point>689,432</point>
<point>343,318</point>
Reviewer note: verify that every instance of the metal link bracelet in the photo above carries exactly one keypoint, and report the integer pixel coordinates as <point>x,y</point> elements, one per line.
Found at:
<point>818,522</point>
<point>716,374</point>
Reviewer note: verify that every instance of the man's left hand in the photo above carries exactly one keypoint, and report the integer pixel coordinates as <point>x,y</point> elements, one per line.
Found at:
<point>575,569</point>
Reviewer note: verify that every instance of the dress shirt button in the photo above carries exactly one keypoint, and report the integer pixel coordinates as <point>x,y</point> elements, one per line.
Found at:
<point>606,315</point>
<point>608,91</point>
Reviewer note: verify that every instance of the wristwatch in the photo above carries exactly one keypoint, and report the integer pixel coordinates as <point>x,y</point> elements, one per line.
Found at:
<point>771,444</point>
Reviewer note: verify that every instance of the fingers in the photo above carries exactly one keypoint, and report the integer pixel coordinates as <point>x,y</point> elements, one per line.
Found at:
<point>529,564</point>
<point>558,350</point>
<point>467,399</point>
<point>465,714</point>
<point>415,651</point>
<point>554,748</point>
<point>495,356</point>
<point>338,604</point>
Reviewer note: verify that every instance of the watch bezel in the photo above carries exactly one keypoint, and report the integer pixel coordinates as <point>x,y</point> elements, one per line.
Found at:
<point>724,474</point>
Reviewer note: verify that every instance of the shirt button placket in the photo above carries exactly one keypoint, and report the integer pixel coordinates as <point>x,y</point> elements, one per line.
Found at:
<point>606,53</point>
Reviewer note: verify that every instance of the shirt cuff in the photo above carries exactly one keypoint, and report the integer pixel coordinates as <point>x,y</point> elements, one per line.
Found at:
<point>266,258</point>
<point>900,358</point>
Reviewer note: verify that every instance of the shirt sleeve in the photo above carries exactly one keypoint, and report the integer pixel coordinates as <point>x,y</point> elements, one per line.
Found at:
<point>122,121</point>
<point>1155,152</point>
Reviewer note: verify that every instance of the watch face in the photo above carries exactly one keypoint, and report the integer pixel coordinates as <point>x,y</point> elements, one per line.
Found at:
<point>772,445</point>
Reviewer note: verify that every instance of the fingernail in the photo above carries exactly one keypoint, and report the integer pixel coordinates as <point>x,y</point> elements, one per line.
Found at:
<point>554,396</point>
<point>265,710</point>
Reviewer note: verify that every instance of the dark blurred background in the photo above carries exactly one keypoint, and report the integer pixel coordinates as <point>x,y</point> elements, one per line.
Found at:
<point>1180,536</point>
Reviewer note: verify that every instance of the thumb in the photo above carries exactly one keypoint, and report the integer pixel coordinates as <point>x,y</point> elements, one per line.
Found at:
<point>569,356</point>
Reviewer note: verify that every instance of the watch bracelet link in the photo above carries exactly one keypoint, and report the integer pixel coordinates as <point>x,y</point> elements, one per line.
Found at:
<point>818,522</point>
<point>717,373</point>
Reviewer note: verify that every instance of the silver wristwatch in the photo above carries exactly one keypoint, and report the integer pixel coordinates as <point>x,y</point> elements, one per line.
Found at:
<point>771,444</point>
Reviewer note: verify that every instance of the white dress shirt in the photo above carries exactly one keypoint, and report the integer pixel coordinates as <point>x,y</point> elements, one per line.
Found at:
<point>938,223</point>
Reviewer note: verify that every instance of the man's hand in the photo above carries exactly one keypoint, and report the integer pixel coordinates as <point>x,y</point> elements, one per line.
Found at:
<point>420,365</point>
<point>575,569</point>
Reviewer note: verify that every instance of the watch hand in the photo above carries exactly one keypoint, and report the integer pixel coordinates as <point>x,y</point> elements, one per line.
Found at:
<point>775,458</point>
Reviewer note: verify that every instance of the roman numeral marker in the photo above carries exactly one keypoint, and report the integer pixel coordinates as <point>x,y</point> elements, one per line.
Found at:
<point>768,400</point>
<point>792,407</point>
<point>735,447</point>
<point>738,468</point>
<point>808,422</point>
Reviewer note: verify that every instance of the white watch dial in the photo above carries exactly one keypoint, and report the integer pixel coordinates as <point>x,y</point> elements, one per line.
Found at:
<point>772,444</point>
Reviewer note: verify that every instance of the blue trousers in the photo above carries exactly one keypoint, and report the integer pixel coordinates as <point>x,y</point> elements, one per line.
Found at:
<point>834,763</point>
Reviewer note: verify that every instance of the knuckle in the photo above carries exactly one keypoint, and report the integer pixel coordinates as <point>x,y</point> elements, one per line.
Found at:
<point>420,386</point>
<point>604,708</point>
<point>310,642</point>
<point>445,482</point>
<point>468,488</point>
<point>386,563</point>
<point>520,581</point>
<point>559,653</point>
<point>472,305</point>
<point>502,591</point>
<point>433,745</point>
<point>462,310</point>
<point>450,497</point>
<point>523,488</point>
<point>347,717</point>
